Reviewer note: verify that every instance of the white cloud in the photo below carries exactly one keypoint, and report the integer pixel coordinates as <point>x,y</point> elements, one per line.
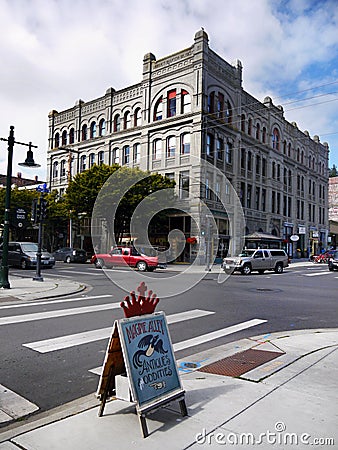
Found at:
<point>54,52</point>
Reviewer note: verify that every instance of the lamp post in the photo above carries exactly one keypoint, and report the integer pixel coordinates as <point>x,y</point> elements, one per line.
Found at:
<point>29,162</point>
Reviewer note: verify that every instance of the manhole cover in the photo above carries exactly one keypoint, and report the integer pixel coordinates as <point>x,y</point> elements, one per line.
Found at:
<point>240,363</point>
<point>264,290</point>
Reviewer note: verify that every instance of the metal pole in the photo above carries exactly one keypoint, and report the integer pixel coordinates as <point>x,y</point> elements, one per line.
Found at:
<point>4,283</point>
<point>38,276</point>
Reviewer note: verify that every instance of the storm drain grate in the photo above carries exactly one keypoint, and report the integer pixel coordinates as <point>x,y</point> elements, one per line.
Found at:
<point>240,363</point>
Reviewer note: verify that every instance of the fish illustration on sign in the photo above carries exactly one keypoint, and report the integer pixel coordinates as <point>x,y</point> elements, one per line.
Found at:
<point>150,343</point>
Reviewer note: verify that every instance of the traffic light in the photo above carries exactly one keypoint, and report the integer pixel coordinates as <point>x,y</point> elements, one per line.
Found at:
<point>35,212</point>
<point>43,209</point>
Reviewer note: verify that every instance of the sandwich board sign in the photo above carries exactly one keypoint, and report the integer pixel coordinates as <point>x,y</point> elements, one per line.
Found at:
<point>141,346</point>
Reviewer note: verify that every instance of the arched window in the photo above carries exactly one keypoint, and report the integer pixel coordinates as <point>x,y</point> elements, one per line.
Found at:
<point>126,154</point>
<point>158,111</point>
<point>91,160</point>
<point>185,102</point>
<point>185,146</point>
<point>84,133</point>
<point>220,105</point>
<point>302,157</point>
<point>137,153</point>
<point>64,137</point>
<point>57,140</point>
<point>63,168</point>
<point>211,102</point>
<point>250,126</point>
<point>102,127</point>
<point>93,130</point>
<point>264,135</point>
<point>171,103</point>
<point>83,165</point>
<point>117,123</point>
<point>100,158</point>
<point>243,123</point>
<point>157,149</point>
<point>275,139</point>
<point>137,117</point>
<point>116,156</point>
<point>298,154</point>
<point>55,169</point>
<point>71,136</point>
<point>229,112</point>
<point>258,131</point>
<point>126,120</point>
<point>171,146</point>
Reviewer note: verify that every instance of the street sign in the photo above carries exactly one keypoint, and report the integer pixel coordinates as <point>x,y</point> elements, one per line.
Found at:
<point>294,238</point>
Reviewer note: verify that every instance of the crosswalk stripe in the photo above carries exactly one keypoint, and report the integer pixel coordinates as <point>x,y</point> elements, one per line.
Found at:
<point>316,274</point>
<point>59,343</point>
<point>57,313</point>
<point>53,302</point>
<point>204,338</point>
<point>13,406</point>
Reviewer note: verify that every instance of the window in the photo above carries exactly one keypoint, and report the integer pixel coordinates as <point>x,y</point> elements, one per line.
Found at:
<point>250,127</point>
<point>102,127</point>
<point>264,135</point>
<point>248,196</point>
<point>243,123</point>
<point>126,154</point>
<point>184,184</point>
<point>273,170</point>
<point>219,148</point>
<point>242,158</point>
<point>171,103</point>
<point>210,145</point>
<point>63,168</point>
<point>71,136</point>
<point>289,150</point>
<point>275,139</point>
<point>249,162</point>
<point>257,195</point>
<point>263,199</point>
<point>57,140</point>
<point>228,113</point>
<point>100,158</point>
<point>55,169</point>
<point>93,130</point>
<point>83,163</point>
<point>158,111</point>
<point>185,102</point>
<point>264,167</point>
<point>258,131</point>
<point>211,102</point>
<point>137,117</point>
<point>207,189</point>
<point>157,149</point>
<point>64,138</point>
<point>220,105</point>
<point>84,133</point>
<point>117,123</point>
<point>116,156</point>
<point>185,149</point>
<point>126,120</point>
<point>228,153</point>
<point>137,153</point>
<point>171,146</point>
<point>91,160</point>
<point>258,164</point>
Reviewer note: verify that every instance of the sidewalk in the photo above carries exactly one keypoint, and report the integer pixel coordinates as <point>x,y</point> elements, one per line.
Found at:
<point>289,402</point>
<point>25,288</point>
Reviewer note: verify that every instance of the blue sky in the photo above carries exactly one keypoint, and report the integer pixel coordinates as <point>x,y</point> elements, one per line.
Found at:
<point>54,52</point>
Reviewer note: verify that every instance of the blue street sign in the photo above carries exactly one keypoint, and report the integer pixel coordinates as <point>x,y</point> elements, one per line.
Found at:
<point>43,188</point>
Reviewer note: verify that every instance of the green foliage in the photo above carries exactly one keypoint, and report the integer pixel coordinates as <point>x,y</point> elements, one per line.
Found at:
<point>333,172</point>
<point>19,199</point>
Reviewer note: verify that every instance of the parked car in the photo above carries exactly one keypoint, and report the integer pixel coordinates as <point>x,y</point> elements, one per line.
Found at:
<point>333,261</point>
<point>258,260</point>
<point>323,257</point>
<point>23,255</point>
<point>125,256</point>
<point>69,254</point>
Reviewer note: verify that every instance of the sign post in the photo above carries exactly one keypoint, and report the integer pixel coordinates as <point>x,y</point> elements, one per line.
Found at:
<point>141,348</point>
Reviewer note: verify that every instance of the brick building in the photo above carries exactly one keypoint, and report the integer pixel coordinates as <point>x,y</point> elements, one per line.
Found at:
<point>191,106</point>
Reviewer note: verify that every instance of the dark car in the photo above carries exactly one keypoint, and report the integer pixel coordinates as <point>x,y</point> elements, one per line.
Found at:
<point>333,261</point>
<point>23,255</point>
<point>69,254</point>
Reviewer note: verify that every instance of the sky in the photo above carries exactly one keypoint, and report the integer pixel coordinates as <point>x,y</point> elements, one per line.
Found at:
<point>55,52</point>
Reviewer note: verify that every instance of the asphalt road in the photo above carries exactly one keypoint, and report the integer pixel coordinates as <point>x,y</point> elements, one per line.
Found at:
<point>53,357</point>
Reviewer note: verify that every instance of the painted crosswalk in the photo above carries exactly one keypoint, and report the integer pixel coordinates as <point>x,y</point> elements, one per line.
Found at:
<point>59,343</point>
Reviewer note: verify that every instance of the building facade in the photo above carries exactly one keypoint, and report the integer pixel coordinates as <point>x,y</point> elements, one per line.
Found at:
<point>333,212</point>
<point>191,106</point>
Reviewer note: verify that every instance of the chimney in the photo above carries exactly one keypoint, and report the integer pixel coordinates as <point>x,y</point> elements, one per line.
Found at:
<point>36,178</point>
<point>19,174</point>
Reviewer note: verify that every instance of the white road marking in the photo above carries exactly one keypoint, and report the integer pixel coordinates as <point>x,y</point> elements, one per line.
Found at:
<point>316,274</point>
<point>13,406</point>
<point>59,343</point>
<point>205,338</point>
<point>57,313</point>
<point>52,302</point>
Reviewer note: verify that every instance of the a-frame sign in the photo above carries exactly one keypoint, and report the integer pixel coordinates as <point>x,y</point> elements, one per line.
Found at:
<point>140,346</point>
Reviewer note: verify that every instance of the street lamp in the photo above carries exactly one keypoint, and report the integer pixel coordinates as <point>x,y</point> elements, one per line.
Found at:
<point>29,162</point>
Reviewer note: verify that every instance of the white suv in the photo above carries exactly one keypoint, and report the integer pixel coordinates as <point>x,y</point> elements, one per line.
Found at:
<point>258,260</point>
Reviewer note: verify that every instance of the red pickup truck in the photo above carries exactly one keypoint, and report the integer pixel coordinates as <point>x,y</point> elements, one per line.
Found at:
<point>125,256</point>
